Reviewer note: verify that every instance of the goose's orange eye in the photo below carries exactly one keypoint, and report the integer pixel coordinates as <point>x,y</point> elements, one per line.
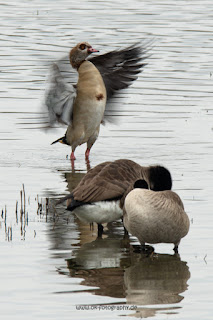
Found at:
<point>82,46</point>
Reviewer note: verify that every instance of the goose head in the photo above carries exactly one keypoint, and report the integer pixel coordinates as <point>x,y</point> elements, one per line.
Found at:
<point>79,54</point>
<point>142,184</point>
<point>160,178</point>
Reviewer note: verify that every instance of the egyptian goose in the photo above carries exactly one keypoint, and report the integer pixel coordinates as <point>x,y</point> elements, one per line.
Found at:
<point>155,217</point>
<point>82,106</point>
<point>99,197</point>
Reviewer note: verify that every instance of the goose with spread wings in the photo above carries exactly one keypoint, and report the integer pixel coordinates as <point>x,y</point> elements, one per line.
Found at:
<point>82,106</point>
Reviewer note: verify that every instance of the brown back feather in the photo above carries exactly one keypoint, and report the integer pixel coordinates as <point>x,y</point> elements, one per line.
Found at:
<point>109,180</point>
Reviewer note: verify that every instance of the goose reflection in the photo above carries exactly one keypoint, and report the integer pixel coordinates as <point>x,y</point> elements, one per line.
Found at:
<point>101,263</point>
<point>160,279</point>
<point>111,265</point>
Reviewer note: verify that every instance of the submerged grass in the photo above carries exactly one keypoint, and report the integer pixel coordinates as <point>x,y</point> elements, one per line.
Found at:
<point>22,216</point>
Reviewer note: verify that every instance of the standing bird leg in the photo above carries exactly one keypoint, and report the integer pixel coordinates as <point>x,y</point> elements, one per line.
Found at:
<point>72,156</point>
<point>87,154</point>
<point>91,141</point>
<point>176,247</point>
<point>100,230</point>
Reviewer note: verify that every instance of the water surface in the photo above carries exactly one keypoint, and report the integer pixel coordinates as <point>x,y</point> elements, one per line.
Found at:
<point>51,264</point>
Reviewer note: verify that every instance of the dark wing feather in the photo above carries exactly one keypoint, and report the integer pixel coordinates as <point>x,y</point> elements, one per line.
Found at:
<point>106,181</point>
<point>120,67</point>
<point>59,97</point>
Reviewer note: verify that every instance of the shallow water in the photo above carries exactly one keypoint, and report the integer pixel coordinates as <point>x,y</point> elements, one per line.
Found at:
<point>51,264</point>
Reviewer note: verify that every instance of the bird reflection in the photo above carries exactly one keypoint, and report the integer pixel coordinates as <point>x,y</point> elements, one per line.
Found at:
<point>101,264</point>
<point>73,178</point>
<point>112,265</point>
<point>75,175</point>
<point>155,280</point>
<point>87,162</point>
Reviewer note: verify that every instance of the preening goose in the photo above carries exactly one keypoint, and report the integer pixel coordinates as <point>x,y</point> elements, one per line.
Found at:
<point>155,217</point>
<point>100,195</point>
<point>82,106</point>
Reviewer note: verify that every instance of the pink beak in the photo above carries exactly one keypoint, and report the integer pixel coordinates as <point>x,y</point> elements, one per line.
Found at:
<point>91,50</point>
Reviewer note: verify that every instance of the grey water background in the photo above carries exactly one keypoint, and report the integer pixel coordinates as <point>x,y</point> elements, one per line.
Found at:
<point>50,262</point>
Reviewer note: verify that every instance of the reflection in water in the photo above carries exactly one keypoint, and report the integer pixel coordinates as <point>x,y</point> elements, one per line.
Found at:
<point>87,162</point>
<point>63,226</point>
<point>101,263</point>
<point>73,178</point>
<point>155,280</point>
<point>111,265</point>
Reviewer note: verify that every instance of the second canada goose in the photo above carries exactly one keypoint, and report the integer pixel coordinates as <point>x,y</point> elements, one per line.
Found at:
<point>155,217</point>
<point>99,197</point>
<point>82,106</point>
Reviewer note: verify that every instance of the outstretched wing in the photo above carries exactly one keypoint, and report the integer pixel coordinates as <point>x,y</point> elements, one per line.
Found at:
<point>120,67</point>
<point>59,97</point>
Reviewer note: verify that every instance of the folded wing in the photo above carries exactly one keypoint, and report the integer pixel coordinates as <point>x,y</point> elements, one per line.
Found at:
<point>107,181</point>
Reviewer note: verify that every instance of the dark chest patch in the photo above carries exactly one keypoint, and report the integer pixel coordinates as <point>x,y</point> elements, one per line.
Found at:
<point>99,96</point>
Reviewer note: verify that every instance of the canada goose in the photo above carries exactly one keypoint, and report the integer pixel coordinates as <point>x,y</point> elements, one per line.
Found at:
<point>82,106</point>
<point>155,217</point>
<point>99,197</point>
